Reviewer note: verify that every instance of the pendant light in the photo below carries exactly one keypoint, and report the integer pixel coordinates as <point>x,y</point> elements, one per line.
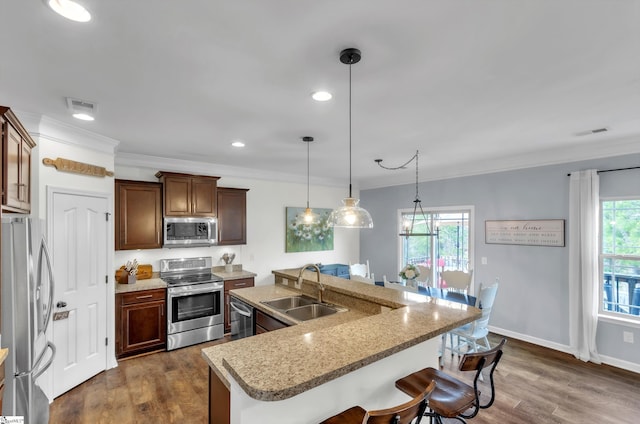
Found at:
<point>309,217</point>
<point>407,228</point>
<point>350,215</point>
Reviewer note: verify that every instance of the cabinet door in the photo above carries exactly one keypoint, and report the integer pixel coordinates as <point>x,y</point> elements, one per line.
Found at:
<point>12,171</point>
<point>138,220</point>
<point>144,327</point>
<point>177,196</point>
<point>232,216</point>
<point>25,176</point>
<point>203,192</point>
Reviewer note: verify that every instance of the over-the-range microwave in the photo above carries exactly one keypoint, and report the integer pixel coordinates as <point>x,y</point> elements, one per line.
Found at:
<point>190,232</point>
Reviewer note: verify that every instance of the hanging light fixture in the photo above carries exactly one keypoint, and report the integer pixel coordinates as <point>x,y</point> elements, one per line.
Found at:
<point>350,215</point>
<point>309,217</point>
<point>408,227</point>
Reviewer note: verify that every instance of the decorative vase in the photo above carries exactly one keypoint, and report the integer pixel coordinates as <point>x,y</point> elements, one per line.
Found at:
<point>411,282</point>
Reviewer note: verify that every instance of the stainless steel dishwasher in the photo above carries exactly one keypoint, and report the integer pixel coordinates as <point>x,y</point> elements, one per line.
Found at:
<point>242,319</point>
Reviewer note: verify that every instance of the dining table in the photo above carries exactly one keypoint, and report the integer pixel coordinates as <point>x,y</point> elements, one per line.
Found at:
<point>451,295</point>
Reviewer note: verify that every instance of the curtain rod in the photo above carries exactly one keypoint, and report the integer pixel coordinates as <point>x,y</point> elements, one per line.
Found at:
<point>612,170</point>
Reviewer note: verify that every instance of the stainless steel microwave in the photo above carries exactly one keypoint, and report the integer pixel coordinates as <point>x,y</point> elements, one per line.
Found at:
<point>190,232</point>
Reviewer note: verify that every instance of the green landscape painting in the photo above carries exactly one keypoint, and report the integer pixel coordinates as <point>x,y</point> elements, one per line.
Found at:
<point>303,237</point>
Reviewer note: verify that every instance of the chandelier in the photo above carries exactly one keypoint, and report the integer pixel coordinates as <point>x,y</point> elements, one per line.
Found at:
<point>408,228</point>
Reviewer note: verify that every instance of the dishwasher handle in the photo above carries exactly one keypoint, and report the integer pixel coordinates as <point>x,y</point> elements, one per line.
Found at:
<point>240,309</point>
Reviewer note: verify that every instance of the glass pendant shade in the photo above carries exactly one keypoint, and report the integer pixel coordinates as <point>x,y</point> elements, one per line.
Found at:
<point>350,215</point>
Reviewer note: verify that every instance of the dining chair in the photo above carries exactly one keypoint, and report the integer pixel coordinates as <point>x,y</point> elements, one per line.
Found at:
<point>359,269</point>
<point>404,413</point>
<point>425,275</point>
<point>470,334</point>
<point>362,279</point>
<point>453,398</point>
<point>457,280</point>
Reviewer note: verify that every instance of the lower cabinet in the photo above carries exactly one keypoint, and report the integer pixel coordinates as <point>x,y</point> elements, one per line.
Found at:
<point>1,385</point>
<point>266,323</point>
<point>239,283</point>
<point>141,322</point>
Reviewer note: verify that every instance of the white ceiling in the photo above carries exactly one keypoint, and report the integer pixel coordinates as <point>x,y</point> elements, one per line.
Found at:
<point>475,85</point>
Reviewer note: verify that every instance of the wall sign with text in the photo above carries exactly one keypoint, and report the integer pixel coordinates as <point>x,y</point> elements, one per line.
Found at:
<point>535,232</point>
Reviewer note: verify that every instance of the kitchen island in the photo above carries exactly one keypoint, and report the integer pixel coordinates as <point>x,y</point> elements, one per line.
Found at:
<point>316,368</point>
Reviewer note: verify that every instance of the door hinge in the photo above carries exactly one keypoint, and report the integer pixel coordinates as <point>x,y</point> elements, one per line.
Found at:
<point>106,216</point>
<point>106,341</point>
<point>106,279</point>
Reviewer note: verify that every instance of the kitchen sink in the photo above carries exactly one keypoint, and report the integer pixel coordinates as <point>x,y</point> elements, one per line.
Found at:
<point>316,310</point>
<point>285,303</point>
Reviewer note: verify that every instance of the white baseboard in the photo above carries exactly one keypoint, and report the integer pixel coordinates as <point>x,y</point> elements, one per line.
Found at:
<point>615,362</point>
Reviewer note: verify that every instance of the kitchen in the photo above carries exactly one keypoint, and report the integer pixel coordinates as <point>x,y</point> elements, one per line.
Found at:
<point>271,191</point>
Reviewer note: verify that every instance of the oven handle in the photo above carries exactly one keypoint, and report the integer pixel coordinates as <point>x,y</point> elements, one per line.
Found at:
<point>191,292</point>
<point>239,309</point>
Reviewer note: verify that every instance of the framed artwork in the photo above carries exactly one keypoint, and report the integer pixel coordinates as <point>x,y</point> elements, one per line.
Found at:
<point>303,237</point>
<point>534,232</point>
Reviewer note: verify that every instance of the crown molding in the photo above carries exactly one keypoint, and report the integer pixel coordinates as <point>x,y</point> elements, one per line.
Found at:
<point>213,169</point>
<point>43,127</point>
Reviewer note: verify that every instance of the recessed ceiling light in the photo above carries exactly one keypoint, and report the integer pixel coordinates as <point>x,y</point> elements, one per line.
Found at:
<point>237,143</point>
<point>321,96</point>
<point>70,10</point>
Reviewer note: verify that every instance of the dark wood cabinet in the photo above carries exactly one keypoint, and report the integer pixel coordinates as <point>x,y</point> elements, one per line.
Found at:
<point>232,216</point>
<point>138,220</point>
<point>266,323</point>
<point>230,285</point>
<point>141,322</point>
<point>188,195</point>
<point>16,163</point>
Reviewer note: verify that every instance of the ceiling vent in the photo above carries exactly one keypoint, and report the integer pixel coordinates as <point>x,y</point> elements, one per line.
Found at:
<point>82,109</point>
<point>596,131</point>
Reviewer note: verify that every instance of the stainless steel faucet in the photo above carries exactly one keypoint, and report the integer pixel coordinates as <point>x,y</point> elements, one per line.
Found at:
<point>321,286</point>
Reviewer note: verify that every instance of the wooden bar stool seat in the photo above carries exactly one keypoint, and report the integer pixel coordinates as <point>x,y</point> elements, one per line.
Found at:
<point>451,397</point>
<point>401,414</point>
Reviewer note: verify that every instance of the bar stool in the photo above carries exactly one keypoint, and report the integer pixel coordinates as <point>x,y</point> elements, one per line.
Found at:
<point>452,398</point>
<point>401,414</point>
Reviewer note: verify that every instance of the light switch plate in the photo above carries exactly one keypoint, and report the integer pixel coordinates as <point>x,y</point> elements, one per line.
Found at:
<point>627,336</point>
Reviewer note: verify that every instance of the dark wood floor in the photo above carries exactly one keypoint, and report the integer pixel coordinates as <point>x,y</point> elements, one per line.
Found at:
<point>535,385</point>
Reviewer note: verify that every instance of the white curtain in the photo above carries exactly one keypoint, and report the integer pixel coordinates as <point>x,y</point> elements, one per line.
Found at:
<point>584,212</point>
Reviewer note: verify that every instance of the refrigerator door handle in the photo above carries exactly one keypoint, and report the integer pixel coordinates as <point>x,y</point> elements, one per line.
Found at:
<point>37,370</point>
<point>44,251</point>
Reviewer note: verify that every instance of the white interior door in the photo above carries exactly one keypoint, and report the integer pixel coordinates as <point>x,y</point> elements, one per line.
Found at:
<point>79,253</point>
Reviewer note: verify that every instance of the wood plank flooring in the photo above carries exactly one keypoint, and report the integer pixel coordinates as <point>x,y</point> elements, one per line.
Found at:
<point>534,384</point>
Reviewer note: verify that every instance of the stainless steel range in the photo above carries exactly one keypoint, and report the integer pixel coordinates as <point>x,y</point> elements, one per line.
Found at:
<point>195,312</point>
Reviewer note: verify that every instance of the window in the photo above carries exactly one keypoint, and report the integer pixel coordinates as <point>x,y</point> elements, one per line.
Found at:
<point>450,246</point>
<point>620,258</point>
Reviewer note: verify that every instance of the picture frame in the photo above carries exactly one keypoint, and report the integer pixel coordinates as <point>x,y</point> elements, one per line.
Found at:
<point>526,232</point>
<point>303,237</point>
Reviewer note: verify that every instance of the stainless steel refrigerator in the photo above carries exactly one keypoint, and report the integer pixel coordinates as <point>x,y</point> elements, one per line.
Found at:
<point>27,300</point>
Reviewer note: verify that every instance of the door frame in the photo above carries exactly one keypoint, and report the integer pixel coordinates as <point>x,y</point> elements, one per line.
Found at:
<point>110,361</point>
<point>428,210</point>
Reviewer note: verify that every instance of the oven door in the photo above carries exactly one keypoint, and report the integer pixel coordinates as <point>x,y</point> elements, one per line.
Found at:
<point>194,306</point>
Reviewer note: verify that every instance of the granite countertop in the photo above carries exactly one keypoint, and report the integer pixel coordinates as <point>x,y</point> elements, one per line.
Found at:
<point>3,355</point>
<point>157,283</point>
<point>234,275</point>
<point>297,358</point>
<point>149,284</point>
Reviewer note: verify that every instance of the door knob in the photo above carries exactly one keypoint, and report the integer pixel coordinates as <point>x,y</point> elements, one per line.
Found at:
<point>61,304</point>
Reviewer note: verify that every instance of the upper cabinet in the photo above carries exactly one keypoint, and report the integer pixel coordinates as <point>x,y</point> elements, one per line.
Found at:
<point>188,195</point>
<point>138,220</point>
<point>16,163</point>
<point>232,216</point>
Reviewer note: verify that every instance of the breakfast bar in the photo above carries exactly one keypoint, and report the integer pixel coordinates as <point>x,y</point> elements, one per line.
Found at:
<point>316,368</point>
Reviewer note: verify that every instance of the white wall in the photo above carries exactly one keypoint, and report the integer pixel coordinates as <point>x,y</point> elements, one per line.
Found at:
<point>265,248</point>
